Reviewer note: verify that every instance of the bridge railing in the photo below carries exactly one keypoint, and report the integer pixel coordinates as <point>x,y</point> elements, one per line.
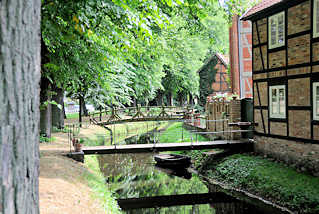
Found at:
<point>111,114</point>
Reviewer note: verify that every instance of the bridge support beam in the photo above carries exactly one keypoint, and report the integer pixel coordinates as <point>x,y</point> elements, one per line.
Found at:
<point>78,156</point>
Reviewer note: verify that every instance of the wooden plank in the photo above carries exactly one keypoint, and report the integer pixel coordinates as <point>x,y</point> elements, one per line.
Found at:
<point>160,147</point>
<point>174,200</point>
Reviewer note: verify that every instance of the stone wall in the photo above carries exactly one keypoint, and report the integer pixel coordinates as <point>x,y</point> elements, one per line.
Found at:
<point>304,157</point>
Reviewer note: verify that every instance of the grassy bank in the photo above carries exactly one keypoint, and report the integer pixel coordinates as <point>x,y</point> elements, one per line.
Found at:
<point>177,133</point>
<point>271,180</point>
<point>96,182</point>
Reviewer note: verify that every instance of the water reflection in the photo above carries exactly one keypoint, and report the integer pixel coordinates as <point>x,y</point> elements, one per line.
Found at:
<point>135,177</point>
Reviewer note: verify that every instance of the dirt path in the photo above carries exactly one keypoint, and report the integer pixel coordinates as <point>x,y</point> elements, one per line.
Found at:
<point>62,185</point>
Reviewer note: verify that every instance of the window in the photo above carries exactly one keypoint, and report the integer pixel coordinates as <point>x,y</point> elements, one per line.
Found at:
<point>276,30</point>
<point>277,101</point>
<point>316,18</point>
<point>315,100</point>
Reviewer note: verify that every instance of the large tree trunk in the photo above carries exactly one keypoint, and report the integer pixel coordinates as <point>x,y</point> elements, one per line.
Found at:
<point>57,113</point>
<point>170,99</point>
<point>45,112</point>
<point>84,110</point>
<point>181,99</point>
<point>80,111</point>
<point>159,98</point>
<point>191,100</point>
<point>19,111</point>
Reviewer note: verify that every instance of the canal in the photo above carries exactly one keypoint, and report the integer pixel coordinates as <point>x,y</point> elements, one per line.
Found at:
<point>141,187</point>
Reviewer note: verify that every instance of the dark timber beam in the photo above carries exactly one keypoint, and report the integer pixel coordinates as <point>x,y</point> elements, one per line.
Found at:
<point>161,147</point>
<point>174,200</point>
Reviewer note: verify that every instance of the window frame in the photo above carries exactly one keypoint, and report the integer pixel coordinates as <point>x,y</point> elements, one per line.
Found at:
<point>314,103</point>
<point>315,34</point>
<point>277,45</point>
<point>278,115</point>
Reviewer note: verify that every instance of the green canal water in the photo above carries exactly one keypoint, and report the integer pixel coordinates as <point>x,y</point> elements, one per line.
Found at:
<point>136,176</point>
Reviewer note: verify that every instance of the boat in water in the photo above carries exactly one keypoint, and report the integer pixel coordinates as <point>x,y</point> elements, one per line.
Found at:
<point>172,161</point>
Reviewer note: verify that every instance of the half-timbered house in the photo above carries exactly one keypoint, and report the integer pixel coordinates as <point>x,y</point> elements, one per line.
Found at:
<point>221,82</point>
<point>214,78</point>
<point>286,79</point>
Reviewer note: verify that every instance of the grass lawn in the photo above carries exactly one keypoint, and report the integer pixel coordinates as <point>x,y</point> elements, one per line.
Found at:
<point>177,133</point>
<point>72,115</point>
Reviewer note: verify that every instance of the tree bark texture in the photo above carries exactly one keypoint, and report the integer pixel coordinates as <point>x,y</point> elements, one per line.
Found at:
<point>46,111</point>
<point>19,111</point>
<point>80,111</point>
<point>57,113</point>
<point>84,110</point>
<point>170,99</point>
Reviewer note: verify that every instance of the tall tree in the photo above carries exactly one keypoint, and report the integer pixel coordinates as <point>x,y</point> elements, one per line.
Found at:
<point>19,112</point>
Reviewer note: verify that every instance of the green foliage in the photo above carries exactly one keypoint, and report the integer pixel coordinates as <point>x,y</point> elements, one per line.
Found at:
<point>52,102</point>
<point>72,115</point>
<point>112,51</point>
<point>96,182</point>
<point>272,180</point>
<point>238,7</point>
<point>64,130</point>
<point>44,139</point>
<point>207,76</point>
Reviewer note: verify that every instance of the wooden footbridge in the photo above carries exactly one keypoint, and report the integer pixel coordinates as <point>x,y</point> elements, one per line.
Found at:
<point>161,147</point>
<point>163,113</point>
<point>234,145</point>
<point>139,114</point>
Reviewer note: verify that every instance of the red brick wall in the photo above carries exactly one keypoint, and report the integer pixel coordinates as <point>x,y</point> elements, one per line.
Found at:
<point>240,41</point>
<point>220,84</point>
<point>217,110</point>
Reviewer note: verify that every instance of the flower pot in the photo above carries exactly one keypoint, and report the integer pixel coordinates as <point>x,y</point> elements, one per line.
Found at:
<point>74,141</point>
<point>78,147</point>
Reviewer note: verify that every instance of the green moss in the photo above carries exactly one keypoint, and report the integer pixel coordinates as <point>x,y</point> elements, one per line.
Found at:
<point>272,180</point>
<point>96,182</point>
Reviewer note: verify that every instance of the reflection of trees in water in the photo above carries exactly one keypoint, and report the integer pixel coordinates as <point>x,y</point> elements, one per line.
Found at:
<point>125,164</point>
<point>234,207</point>
<point>134,175</point>
<point>191,209</point>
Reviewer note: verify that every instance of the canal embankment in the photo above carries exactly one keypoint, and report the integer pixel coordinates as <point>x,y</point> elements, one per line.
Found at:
<point>262,178</point>
<point>86,185</point>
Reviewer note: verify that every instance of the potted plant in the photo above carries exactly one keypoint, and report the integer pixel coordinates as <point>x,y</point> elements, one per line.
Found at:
<point>78,145</point>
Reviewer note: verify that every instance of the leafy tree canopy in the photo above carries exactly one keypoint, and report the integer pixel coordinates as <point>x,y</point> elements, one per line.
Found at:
<point>113,50</point>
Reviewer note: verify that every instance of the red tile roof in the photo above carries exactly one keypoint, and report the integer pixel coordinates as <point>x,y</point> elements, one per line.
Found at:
<point>260,7</point>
